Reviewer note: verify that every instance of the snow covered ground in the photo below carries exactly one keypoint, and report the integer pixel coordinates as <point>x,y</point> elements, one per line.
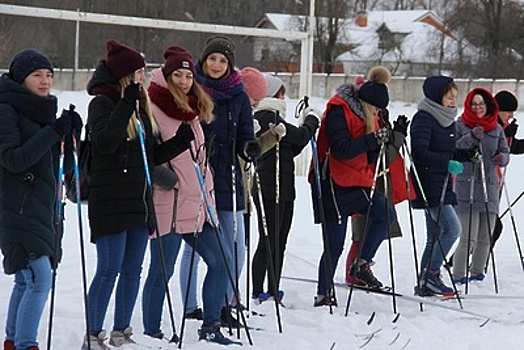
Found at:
<point>439,326</point>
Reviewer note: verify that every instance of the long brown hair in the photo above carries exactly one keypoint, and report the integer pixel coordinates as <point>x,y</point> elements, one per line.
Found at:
<point>204,102</point>
<point>132,128</point>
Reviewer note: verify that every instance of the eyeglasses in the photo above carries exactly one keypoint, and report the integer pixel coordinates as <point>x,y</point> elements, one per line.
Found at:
<point>478,105</point>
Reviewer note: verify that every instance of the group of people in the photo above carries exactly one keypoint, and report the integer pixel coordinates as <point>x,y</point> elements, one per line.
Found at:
<point>181,160</point>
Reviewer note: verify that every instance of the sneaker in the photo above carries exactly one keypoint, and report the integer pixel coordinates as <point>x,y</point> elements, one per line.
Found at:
<point>365,275</point>
<point>119,338</point>
<point>196,314</point>
<point>260,298</point>
<point>96,342</point>
<point>34,347</point>
<point>354,280</point>
<point>9,345</point>
<point>213,335</point>
<point>434,283</point>
<point>157,335</point>
<point>460,281</point>
<point>325,300</point>
<point>227,319</point>
<point>480,277</point>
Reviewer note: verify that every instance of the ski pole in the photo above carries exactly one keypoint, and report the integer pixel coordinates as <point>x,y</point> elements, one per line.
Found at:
<point>141,136</point>
<point>328,265</point>
<point>486,204</point>
<point>81,234</point>
<point>514,225</point>
<point>512,204</point>
<point>276,255</point>
<point>59,216</point>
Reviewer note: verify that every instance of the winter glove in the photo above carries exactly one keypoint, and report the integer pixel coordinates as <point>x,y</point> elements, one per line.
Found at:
<point>401,125</point>
<point>278,130</point>
<point>455,167</point>
<point>252,150</point>
<point>478,132</point>
<point>132,93</point>
<point>310,111</point>
<point>185,132</point>
<point>511,129</point>
<point>256,126</point>
<point>498,159</point>
<point>474,155</point>
<point>180,142</point>
<point>76,121</point>
<point>62,125</point>
<point>383,135</point>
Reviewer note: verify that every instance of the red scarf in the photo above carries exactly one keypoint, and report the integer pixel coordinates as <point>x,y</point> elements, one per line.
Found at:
<point>469,116</point>
<point>163,98</point>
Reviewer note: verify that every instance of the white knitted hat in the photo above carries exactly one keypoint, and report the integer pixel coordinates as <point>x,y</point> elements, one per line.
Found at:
<point>273,84</point>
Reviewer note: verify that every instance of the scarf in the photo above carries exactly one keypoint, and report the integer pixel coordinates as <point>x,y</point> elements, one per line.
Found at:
<point>348,93</point>
<point>163,98</point>
<point>470,118</point>
<point>445,116</point>
<point>273,104</point>
<point>220,89</point>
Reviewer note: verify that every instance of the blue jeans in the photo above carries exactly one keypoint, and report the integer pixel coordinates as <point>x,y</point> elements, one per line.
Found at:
<point>448,231</point>
<point>336,234</point>
<point>27,302</point>
<point>154,291</point>
<point>192,302</point>
<point>228,239</point>
<point>121,254</point>
<point>215,281</point>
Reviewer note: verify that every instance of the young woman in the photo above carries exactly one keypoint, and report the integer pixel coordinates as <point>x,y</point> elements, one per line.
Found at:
<point>271,114</point>
<point>120,209</point>
<point>478,126</point>
<point>29,144</point>
<point>232,136</point>
<point>348,142</point>
<point>433,138</point>
<point>178,102</point>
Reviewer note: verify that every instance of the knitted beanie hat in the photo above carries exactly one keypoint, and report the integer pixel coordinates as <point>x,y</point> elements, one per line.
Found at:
<point>254,83</point>
<point>273,84</point>
<point>122,60</point>
<point>26,62</point>
<point>177,57</point>
<point>374,91</point>
<point>507,101</point>
<point>434,86</point>
<point>221,44</point>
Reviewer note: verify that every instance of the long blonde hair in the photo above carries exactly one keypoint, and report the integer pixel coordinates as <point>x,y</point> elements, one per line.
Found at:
<point>204,102</point>
<point>370,118</point>
<point>132,127</point>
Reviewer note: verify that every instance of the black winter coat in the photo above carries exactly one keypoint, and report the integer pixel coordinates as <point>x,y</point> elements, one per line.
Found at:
<point>291,145</point>
<point>119,198</point>
<point>28,176</point>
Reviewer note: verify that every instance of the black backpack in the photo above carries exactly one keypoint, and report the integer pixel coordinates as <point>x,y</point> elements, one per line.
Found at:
<point>84,163</point>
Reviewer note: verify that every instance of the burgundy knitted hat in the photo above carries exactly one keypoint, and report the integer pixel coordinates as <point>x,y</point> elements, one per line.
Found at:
<point>122,60</point>
<point>177,57</point>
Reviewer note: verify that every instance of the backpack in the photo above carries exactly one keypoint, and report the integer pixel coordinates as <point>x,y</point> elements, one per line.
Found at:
<point>84,163</point>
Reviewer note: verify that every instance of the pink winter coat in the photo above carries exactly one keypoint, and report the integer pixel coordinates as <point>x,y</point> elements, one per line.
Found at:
<point>179,210</point>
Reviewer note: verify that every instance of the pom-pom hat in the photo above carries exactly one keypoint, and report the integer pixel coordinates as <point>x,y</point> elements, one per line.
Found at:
<point>122,60</point>
<point>177,57</point>
<point>26,62</point>
<point>254,83</point>
<point>374,91</point>
<point>507,101</point>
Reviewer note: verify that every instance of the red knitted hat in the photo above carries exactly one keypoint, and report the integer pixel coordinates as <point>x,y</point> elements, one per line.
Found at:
<point>177,57</point>
<point>254,83</point>
<point>122,60</point>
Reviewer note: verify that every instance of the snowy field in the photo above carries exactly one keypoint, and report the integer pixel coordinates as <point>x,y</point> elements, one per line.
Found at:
<point>441,324</point>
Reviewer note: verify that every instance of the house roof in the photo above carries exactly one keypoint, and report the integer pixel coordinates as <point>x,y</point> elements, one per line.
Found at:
<point>422,30</point>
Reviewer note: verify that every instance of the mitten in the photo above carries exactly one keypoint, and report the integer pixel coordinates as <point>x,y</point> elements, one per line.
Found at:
<point>474,155</point>
<point>252,150</point>
<point>278,130</point>
<point>478,132</point>
<point>62,125</point>
<point>498,159</point>
<point>511,129</point>
<point>256,126</point>
<point>455,167</point>
<point>132,93</point>
<point>383,135</point>
<point>401,125</point>
<point>310,111</point>
<point>76,121</point>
